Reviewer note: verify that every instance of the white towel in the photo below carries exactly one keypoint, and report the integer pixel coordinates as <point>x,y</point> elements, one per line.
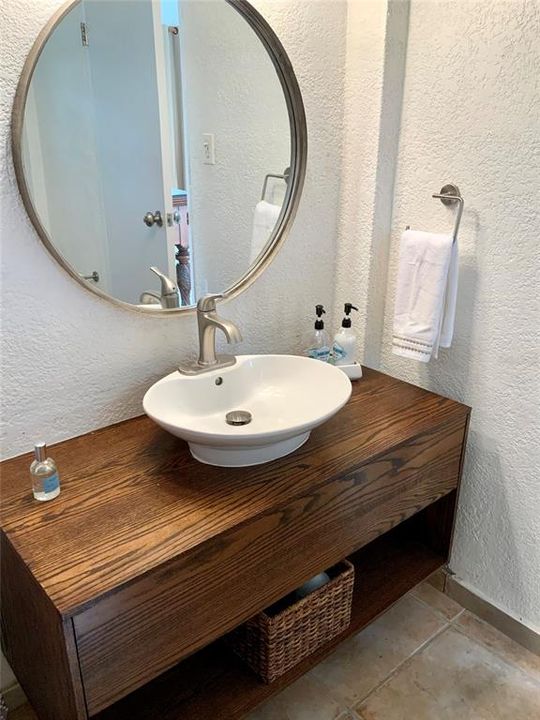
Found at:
<point>265,218</point>
<point>426,295</point>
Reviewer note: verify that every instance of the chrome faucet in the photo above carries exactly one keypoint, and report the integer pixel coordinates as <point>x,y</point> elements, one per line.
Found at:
<point>208,321</point>
<point>169,297</point>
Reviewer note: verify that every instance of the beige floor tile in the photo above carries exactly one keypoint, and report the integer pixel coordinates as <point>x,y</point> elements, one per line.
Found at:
<point>440,602</point>
<point>364,660</point>
<point>498,642</point>
<point>306,699</point>
<point>455,678</point>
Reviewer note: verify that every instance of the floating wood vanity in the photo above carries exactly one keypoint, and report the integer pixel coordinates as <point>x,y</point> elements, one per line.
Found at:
<point>115,595</point>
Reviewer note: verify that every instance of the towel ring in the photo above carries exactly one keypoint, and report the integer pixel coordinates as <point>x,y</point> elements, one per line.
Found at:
<point>450,195</point>
<point>285,176</point>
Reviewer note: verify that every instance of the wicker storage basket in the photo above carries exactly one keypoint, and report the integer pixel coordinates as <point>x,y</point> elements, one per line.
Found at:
<point>281,636</point>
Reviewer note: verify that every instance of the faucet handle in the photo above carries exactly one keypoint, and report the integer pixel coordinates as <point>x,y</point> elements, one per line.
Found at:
<point>207,303</point>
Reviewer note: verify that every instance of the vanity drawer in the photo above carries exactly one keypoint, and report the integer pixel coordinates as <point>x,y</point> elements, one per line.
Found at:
<point>134,634</point>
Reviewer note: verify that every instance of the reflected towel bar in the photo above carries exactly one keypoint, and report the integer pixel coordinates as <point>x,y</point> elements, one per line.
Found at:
<point>450,195</point>
<point>286,175</point>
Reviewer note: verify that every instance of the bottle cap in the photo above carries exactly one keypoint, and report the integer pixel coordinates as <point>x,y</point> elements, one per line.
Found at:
<point>347,320</point>
<point>40,451</point>
<point>319,323</point>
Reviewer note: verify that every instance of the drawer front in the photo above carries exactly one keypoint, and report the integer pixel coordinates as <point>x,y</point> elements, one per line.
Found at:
<point>131,636</point>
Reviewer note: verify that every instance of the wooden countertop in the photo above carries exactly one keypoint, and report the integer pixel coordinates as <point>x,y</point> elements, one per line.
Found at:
<point>133,497</point>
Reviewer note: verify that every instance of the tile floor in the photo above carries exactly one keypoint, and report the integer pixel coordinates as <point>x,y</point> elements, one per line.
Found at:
<point>424,659</point>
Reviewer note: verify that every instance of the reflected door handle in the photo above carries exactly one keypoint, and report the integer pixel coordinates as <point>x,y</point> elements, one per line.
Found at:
<point>153,218</point>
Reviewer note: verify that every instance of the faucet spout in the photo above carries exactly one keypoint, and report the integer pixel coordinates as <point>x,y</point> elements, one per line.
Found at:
<point>208,322</point>
<point>169,297</point>
<point>230,330</point>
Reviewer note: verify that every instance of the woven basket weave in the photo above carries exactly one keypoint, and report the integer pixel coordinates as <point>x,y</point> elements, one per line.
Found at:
<point>278,638</point>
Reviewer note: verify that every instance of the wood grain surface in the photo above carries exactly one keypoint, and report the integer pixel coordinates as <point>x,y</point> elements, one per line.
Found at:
<point>215,684</point>
<point>146,627</point>
<point>147,556</point>
<point>39,643</point>
<point>133,498</point>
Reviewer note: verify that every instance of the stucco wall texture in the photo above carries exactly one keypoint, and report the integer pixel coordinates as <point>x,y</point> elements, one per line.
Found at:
<point>471,116</point>
<point>456,84</point>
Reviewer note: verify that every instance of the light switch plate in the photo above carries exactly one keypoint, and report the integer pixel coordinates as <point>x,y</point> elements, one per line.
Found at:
<point>209,151</point>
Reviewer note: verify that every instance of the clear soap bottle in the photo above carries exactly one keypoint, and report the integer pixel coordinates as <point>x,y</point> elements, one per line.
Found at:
<point>318,346</point>
<point>344,347</point>
<point>45,478</point>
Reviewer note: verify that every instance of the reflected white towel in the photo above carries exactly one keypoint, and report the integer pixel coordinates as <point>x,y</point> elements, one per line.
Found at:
<point>264,221</point>
<point>426,294</point>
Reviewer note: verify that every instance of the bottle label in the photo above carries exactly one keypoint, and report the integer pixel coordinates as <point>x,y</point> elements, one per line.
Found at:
<point>338,352</point>
<point>51,483</point>
<point>321,353</point>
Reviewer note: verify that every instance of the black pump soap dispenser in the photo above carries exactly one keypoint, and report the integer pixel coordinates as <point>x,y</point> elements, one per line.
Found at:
<point>344,346</point>
<point>346,322</point>
<point>319,344</point>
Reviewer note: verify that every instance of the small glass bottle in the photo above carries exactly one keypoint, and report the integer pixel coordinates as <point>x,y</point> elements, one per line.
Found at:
<point>45,478</point>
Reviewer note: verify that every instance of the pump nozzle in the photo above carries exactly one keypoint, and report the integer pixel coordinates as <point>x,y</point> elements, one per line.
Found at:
<point>347,320</point>
<point>319,324</point>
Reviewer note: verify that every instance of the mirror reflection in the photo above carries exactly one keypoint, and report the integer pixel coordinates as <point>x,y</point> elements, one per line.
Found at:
<point>156,147</point>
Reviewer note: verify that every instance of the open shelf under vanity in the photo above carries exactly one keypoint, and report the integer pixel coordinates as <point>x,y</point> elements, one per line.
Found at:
<point>215,684</point>
<point>148,558</point>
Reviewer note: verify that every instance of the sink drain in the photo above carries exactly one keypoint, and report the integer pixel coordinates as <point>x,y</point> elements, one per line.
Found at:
<point>238,417</point>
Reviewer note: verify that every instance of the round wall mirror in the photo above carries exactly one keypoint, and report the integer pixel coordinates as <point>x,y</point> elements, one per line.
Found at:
<point>160,147</point>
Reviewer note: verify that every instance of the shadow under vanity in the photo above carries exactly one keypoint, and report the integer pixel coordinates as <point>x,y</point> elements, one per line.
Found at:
<point>115,595</point>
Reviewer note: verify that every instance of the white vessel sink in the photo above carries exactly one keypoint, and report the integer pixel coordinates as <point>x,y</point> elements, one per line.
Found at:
<point>286,396</point>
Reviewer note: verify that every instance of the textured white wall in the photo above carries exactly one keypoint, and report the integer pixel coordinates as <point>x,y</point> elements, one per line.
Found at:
<point>375,63</point>
<point>471,115</point>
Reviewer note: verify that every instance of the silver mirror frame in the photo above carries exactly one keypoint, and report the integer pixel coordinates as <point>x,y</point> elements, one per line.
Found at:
<point>298,129</point>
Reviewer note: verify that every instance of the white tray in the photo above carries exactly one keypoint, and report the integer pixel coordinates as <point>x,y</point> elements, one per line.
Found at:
<point>353,371</point>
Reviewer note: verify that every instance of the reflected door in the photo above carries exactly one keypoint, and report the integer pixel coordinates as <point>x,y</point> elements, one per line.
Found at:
<point>125,53</point>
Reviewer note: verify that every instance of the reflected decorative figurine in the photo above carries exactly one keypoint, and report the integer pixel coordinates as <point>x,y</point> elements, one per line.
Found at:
<point>183,274</point>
